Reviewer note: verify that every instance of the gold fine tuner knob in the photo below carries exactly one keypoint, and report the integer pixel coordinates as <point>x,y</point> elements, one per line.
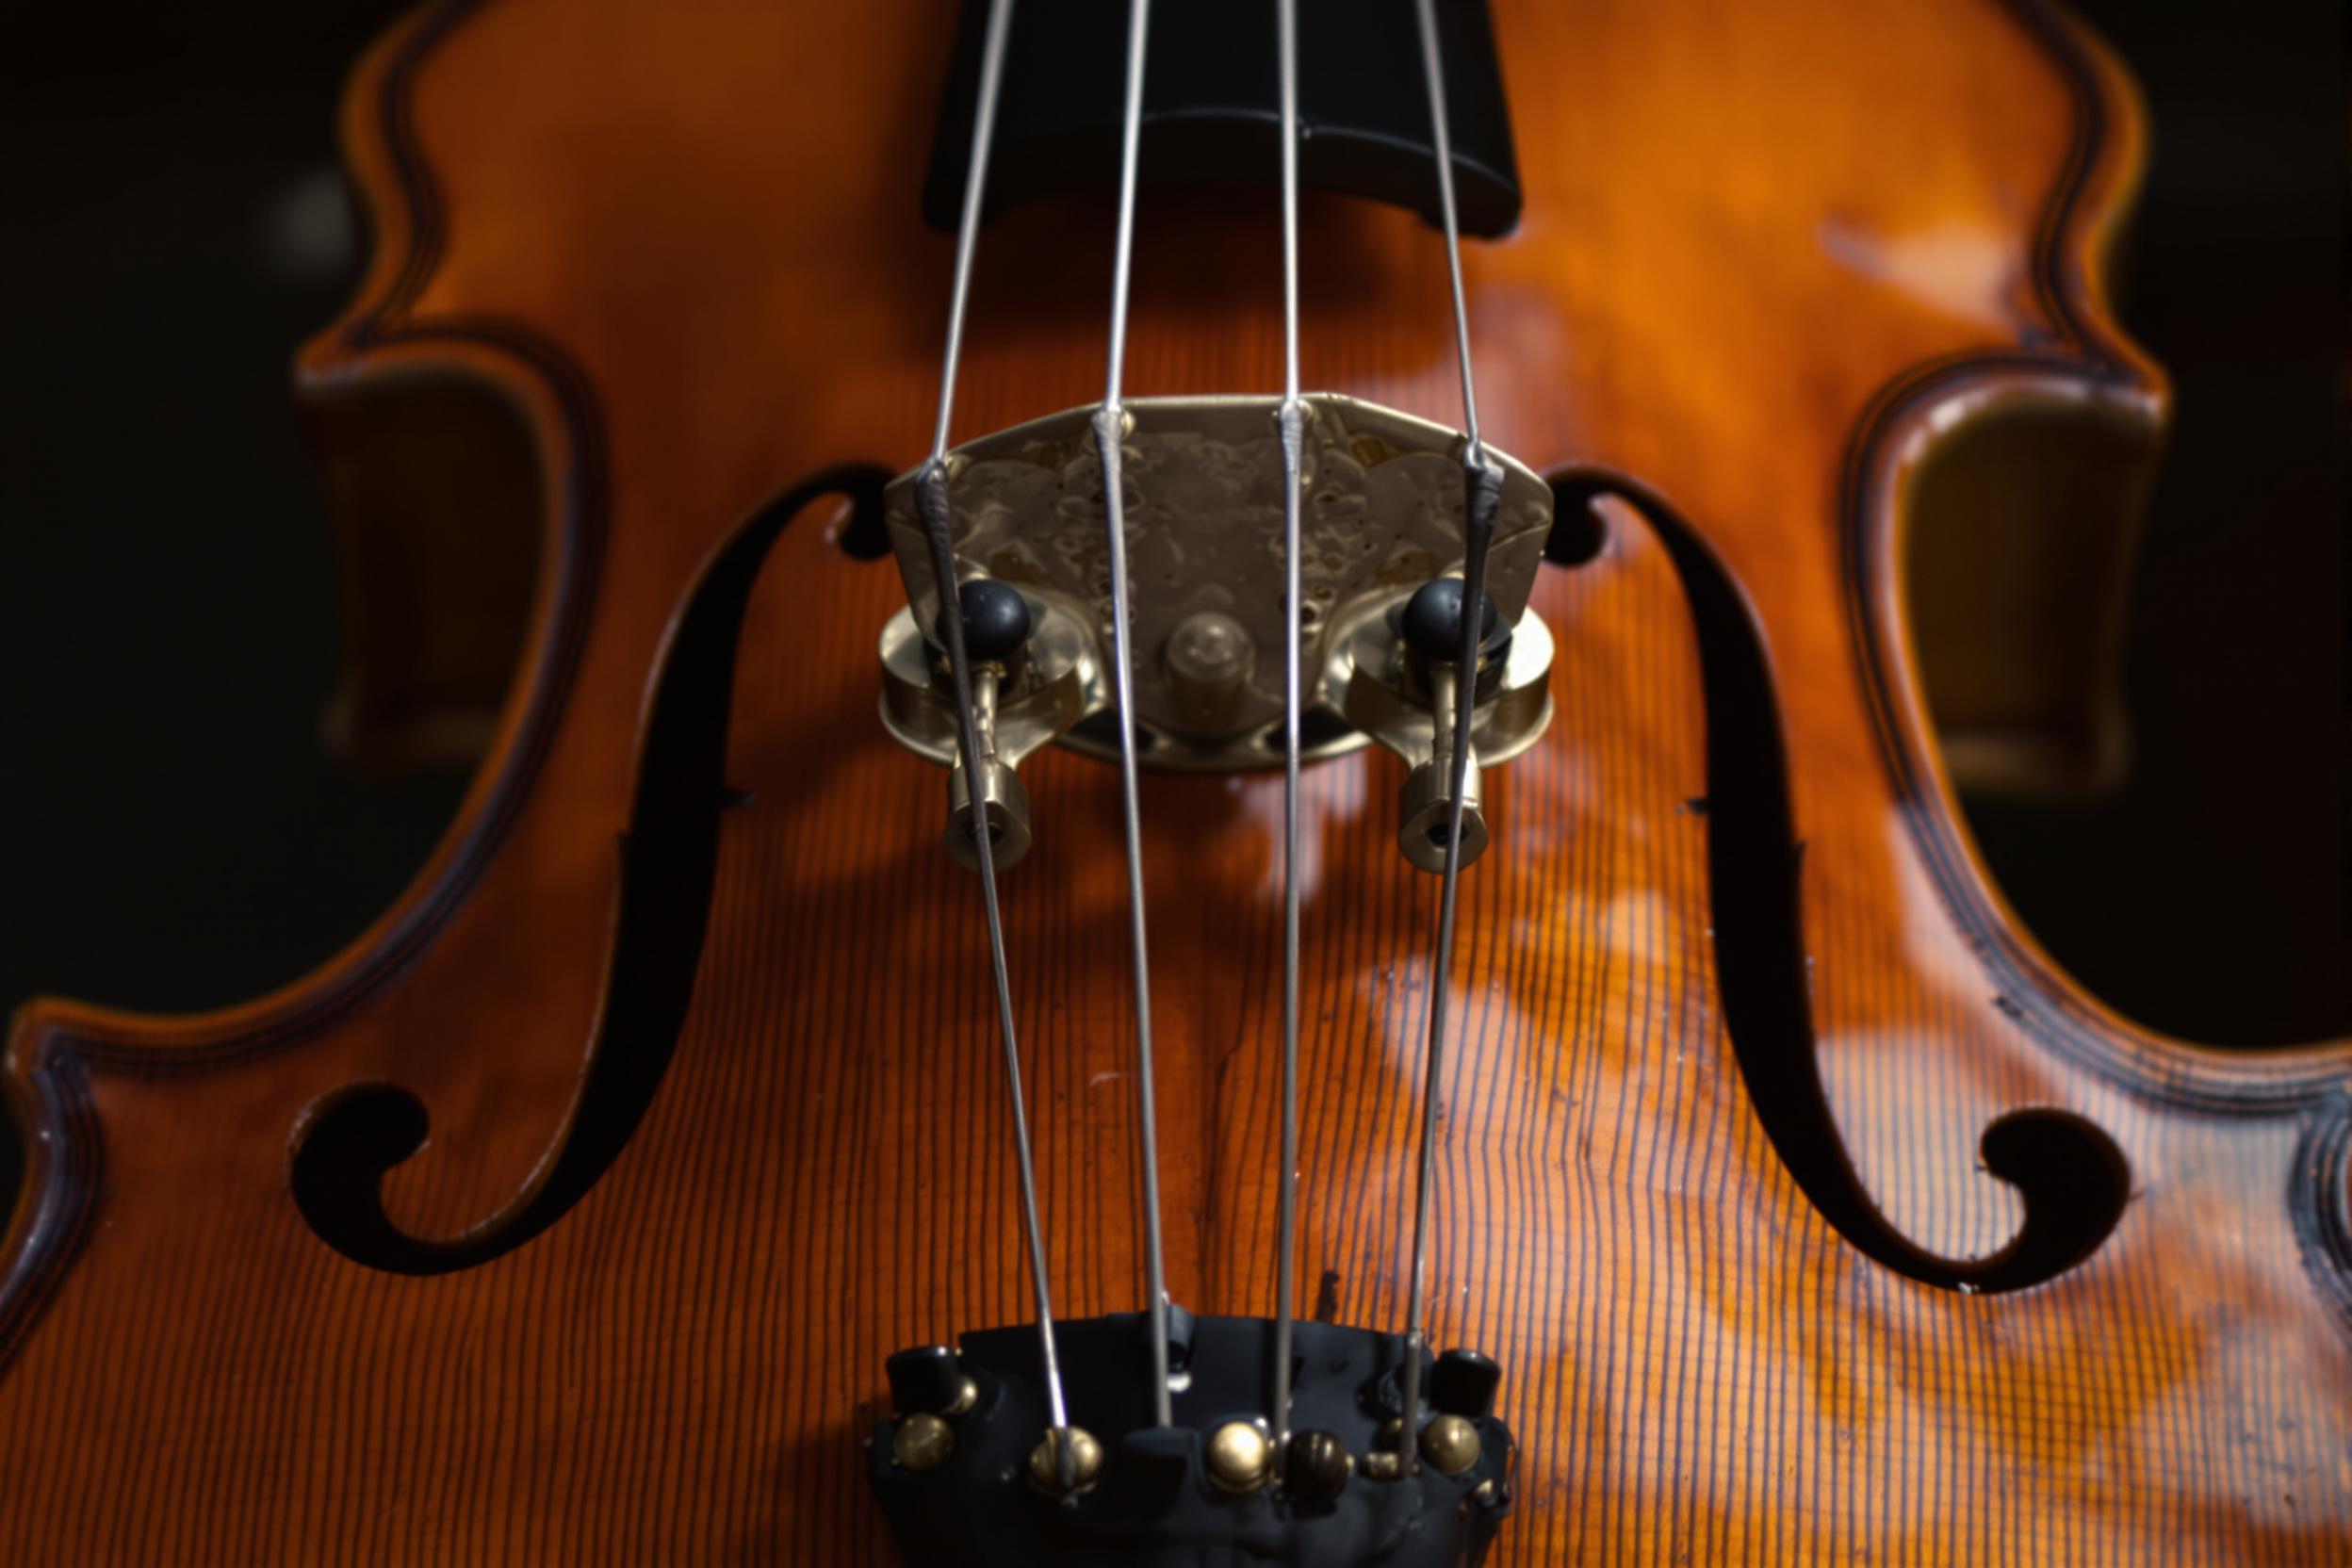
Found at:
<point>1450,1444</point>
<point>1240,1457</point>
<point>1065,1462</point>
<point>923,1441</point>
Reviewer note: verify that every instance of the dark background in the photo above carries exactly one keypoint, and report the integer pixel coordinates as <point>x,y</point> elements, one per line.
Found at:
<point>173,835</point>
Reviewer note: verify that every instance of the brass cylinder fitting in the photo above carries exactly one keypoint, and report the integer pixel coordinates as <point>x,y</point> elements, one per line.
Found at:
<point>1006,799</point>
<point>1422,812</point>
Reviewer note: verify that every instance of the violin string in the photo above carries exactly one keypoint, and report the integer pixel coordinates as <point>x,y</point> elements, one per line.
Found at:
<point>931,491</point>
<point>1433,75</point>
<point>968,220</point>
<point>1109,431</point>
<point>1481,495</point>
<point>1294,482</point>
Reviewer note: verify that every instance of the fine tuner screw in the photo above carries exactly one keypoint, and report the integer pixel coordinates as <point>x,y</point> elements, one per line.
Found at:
<point>1430,627</point>
<point>997,626</point>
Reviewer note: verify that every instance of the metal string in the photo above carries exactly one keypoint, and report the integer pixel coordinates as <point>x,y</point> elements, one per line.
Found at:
<point>1109,431</point>
<point>1433,75</point>
<point>1482,491</point>
<point>1294,480</point>
<point>938,517</point>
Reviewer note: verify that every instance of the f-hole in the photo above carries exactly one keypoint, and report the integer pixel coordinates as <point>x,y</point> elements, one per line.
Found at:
<point>347,1141</point>
<point>2072,1179</point>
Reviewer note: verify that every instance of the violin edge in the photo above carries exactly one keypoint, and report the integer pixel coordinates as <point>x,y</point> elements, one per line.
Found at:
<point>2096,366</point>
<point>55,1043</point>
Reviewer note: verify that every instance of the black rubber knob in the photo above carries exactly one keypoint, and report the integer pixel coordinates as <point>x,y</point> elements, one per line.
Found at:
<point>996,620</point>
<point>1433,620</point>
<point>924,1379</point>
<point>1462,1384</point>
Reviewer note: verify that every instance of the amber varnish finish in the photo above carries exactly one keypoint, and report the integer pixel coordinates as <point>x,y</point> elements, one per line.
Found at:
<point>1772,254</point>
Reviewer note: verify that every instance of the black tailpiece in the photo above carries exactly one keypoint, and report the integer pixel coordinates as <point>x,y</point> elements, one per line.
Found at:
<point>968,1498</point>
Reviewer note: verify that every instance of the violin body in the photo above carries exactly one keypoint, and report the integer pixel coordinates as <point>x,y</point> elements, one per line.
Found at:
<point>1811,1212</point>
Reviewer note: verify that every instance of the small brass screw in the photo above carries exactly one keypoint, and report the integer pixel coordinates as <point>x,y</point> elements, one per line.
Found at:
<point>923,1441</point>
<point>1046,1462</point>
<point>1450,1444</point>
<point>1239,1456</point>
